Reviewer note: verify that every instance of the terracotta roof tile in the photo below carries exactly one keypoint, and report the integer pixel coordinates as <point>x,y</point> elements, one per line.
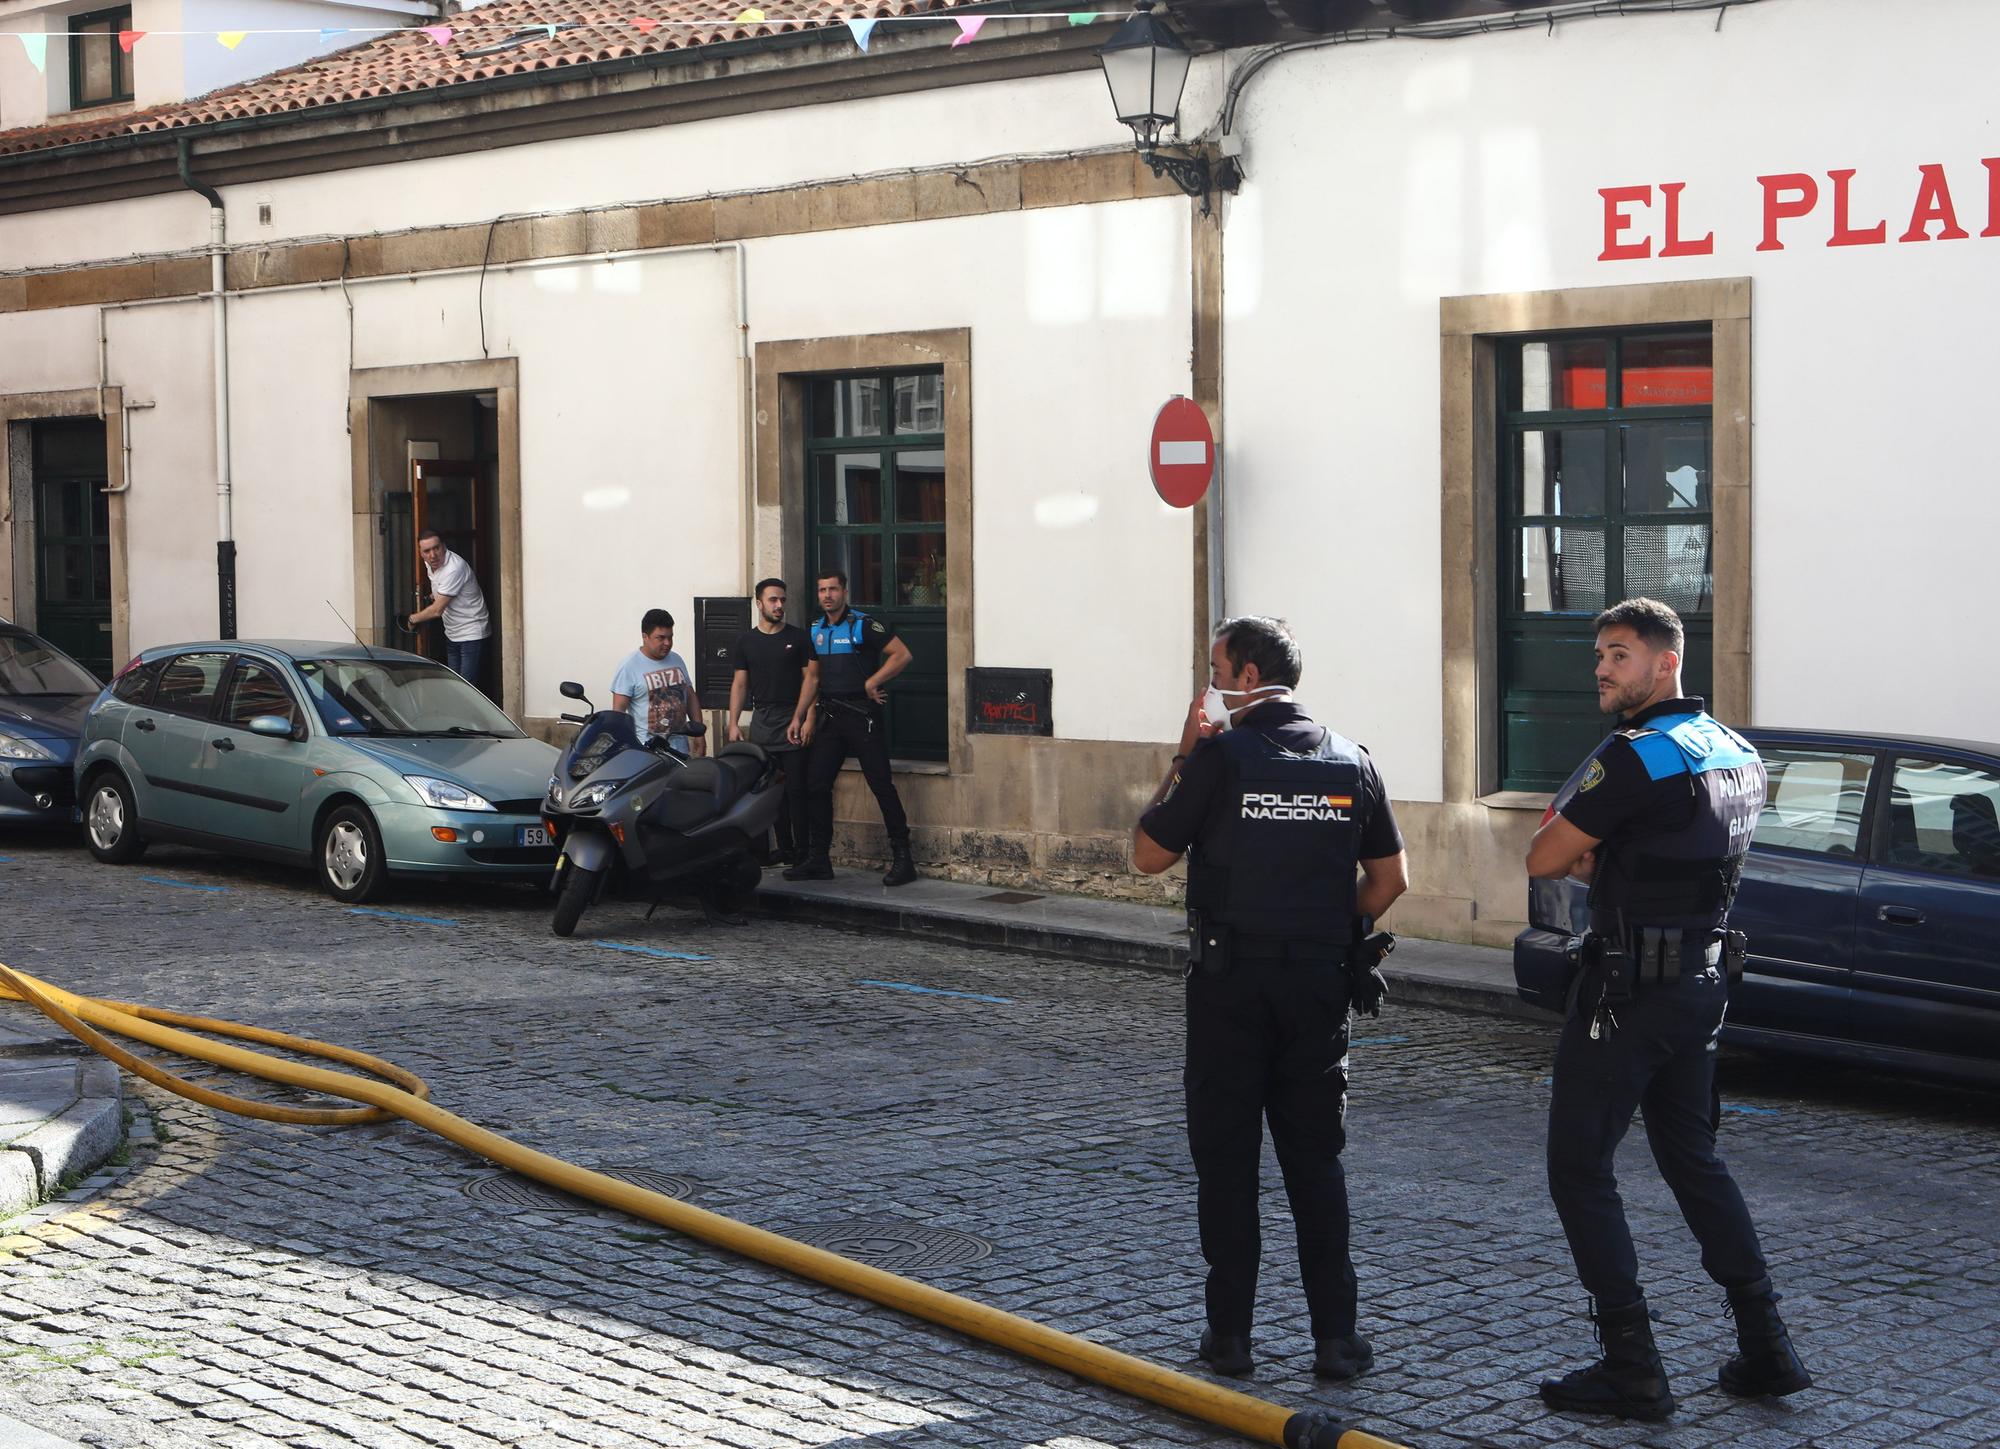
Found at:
<point>409,60</point>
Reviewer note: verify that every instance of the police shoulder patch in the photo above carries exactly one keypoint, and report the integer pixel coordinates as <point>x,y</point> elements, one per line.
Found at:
<point>1592,777</point>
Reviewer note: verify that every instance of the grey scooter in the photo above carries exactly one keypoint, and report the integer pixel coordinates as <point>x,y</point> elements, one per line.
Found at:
<point>667,824</point>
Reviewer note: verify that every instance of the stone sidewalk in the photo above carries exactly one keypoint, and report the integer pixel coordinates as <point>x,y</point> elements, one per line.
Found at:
<point>61,1109</point>
<point>1439,973</point>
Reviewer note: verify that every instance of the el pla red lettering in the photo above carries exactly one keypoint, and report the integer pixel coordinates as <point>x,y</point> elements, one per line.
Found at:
<point>1933,204</point>
<point>1786,196</point>
<point>1843,234</point>
<point>1617,223</point>
<point>1674,246</point>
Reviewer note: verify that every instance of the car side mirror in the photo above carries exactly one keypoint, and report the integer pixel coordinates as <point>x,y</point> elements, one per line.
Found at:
<point>277,726</point>
<point>571,689</point>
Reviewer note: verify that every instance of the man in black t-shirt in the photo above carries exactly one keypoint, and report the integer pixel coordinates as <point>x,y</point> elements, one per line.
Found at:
<point>1278,817</point>
<point>778,677</point>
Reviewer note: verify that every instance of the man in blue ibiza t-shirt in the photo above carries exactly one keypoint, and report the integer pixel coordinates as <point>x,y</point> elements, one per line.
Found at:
<point>654,685</point>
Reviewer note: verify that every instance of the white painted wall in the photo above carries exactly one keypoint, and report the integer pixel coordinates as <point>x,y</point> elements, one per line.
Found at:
<point>1388,175</point>
<point>1080,331</point>
<point>629,425</point>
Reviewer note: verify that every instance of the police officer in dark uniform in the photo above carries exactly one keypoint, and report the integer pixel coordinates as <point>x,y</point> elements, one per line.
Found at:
<point>858,656</point>
<point>1658,820</point>
<point>1276,814</point>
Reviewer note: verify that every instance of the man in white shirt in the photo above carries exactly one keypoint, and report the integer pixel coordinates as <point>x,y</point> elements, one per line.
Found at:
<point>654,685</point>
<point>456,599</point>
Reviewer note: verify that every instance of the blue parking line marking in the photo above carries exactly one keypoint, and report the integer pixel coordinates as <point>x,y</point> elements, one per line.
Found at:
<point>6,859</point>
<point>935,991</point>
<point>402,916</point>
<point>1378,1041</point>
<point>185,885</point>
<point>1751,1111</point>
<point>649,951</point>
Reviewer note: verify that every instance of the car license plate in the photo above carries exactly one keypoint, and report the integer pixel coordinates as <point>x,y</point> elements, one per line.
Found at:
<point>531,835</point>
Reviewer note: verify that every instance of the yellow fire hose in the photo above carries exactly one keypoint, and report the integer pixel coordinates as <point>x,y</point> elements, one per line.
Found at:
<point>407,1098</point>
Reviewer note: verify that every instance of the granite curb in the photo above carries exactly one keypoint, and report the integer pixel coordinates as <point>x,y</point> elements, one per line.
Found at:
<point>61,1110</point>
<point>14,1434</point>
<point>1126,933</point>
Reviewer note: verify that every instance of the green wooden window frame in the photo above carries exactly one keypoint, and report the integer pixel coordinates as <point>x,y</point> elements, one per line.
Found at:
<point>1549,717</point>
<point>909,583</point>
<point>121,62</point>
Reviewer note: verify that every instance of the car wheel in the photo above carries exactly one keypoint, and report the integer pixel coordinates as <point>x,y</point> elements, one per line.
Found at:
<point>351,864</point>
<point>577,889</point>
<point>111,821</point>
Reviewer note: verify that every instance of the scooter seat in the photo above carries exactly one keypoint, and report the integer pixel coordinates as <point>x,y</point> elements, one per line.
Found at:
<point>703,789</point>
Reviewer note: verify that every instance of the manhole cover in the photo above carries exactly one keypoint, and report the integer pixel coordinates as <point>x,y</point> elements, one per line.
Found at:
<point>1010,898</point>
<point>895,1245</point>
<point>512,1190</point>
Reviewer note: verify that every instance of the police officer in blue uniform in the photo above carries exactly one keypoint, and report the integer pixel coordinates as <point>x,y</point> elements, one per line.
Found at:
<point>1276,814</point>
<point>858,656</point>
<point>1658,820</point>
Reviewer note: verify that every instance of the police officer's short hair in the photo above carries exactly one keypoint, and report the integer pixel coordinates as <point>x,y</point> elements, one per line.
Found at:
<point>763,584</point>
<point>1656,624</point>
<point>655,619</point>
<point>824,574</point>
<point>1265,642</point>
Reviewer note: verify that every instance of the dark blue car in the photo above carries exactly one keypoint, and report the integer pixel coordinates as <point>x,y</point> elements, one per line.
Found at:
<point>1872,901</point>
<point>44,695</point>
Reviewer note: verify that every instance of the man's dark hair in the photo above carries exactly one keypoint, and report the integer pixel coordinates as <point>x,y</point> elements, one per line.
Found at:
<point>1264,642</point>
<point>763,584</point>
<point>655,619</point>
<point>429,533</point>
<point>824,574</point>
<point>1657,626</point>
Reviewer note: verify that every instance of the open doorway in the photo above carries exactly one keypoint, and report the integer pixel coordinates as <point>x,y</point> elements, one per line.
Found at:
<point>434,462</point>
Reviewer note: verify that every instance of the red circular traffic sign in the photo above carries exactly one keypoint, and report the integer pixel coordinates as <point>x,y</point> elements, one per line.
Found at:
<point>1182,452</point>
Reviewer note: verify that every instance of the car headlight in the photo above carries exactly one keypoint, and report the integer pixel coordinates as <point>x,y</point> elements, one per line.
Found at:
<point>445,795</point>
<point>591,795</point>
<point>13,747</point>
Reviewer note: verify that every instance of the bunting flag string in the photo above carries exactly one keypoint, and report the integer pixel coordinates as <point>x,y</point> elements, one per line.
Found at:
<point>466,28</point>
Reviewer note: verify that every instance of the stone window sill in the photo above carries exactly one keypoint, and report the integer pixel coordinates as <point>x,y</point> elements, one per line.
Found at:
<point>1536,800</point>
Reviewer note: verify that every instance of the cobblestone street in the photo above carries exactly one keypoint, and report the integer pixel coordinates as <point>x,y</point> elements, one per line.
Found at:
<point>243,1283</point>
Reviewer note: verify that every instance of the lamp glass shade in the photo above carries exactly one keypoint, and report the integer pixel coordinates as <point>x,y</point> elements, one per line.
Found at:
<point>1146,67</point>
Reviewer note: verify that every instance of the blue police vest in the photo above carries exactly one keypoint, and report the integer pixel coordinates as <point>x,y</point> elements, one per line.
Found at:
<point>1289,845</point>
<point>843,664</point>
<point>1685,876</point>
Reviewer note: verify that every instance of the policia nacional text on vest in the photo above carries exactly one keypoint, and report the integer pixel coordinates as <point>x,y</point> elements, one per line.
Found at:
<point>1279,883</point>
<point>1657,903</point>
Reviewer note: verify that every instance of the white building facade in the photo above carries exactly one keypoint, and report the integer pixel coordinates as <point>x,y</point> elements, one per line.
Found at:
<point>1493,327</point>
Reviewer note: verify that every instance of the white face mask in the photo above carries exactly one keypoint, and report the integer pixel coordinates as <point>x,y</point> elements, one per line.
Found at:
<point>1219,715</point>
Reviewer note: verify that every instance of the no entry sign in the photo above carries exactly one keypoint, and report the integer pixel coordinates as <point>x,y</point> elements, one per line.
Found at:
<point>1182,453</point>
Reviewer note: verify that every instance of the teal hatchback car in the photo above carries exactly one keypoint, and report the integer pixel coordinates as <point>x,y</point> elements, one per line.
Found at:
<point>364,763</point>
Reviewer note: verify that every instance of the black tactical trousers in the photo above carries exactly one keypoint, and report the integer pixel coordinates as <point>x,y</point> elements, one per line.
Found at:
<point>1269,1040</point>
<point>794,824</point>
<point>851,727</point>
<point>1660,1060</point>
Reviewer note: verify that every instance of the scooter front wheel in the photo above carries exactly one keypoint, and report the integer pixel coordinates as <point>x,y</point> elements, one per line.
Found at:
<point>576,891</point>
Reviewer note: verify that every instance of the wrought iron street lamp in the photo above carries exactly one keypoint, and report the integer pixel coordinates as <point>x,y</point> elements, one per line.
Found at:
<point>1146,66</point>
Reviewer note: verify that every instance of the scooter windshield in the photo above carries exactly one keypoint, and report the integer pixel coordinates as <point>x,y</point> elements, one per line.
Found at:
<point>608,734</point>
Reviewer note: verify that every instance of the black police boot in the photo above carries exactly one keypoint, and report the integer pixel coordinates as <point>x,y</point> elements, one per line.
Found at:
<point>1227,1353</point>
<point>902,870</point>
<point>814,867</point>
<point>1341,1359</point>
<point>1629,1382</point>
<point>1765,1363</point>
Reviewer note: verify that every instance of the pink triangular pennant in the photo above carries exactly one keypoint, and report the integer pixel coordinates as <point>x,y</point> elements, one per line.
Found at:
<point>646,27</point>
<point>441,34</point>
<point>129,38</point>
<point>968,26</point>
